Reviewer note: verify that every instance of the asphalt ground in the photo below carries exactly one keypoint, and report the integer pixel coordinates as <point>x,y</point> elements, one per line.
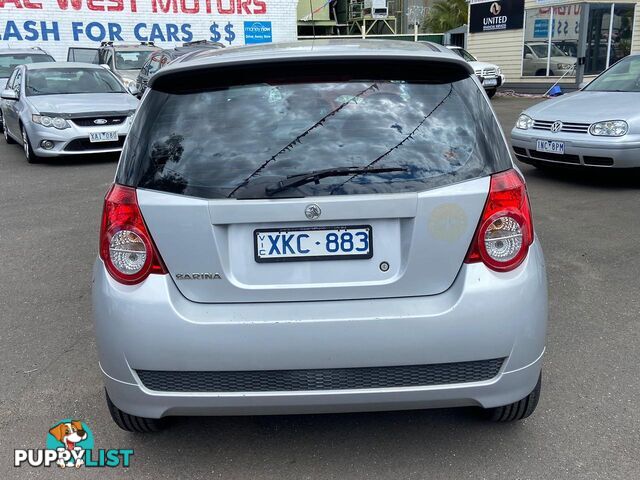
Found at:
<point>587,424</point>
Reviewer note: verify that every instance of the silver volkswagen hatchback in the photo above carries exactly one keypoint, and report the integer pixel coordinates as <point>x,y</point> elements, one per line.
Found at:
<point>318,227</point>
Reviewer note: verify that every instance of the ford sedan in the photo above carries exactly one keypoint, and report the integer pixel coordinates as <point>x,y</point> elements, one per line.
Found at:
<point>64,108</point>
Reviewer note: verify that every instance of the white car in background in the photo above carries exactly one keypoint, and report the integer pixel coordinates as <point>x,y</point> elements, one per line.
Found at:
<point>534,60</point>
<point>489,74</point>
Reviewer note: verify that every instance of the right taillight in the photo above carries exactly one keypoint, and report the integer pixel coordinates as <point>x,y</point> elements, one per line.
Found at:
<point>505,230</point>
<point>126,248</point>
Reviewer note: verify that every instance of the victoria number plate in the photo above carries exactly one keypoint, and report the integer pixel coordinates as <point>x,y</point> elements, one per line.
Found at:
<point>96,137</point>
<point>550,146</point>
<point>313,243</point>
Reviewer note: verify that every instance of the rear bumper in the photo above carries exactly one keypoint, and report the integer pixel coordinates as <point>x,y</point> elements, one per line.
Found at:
<point>483,315</point>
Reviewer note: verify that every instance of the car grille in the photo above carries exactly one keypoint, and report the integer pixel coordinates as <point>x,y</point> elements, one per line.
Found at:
<point>89,121</point>
<point>82,144</point>
<point>489,72</point>
<point>566,127</point>
<point>320,379</point>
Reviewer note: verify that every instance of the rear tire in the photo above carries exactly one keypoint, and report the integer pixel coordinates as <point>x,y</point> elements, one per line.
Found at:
<point>518,410</point>
<point>26,146</point>
<point>7,137</point>
<point>132,423</point>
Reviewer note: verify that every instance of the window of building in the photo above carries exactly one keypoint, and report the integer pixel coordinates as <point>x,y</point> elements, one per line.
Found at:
<point>609,32</point>
<point>551,41</point>
<point>552,36</point>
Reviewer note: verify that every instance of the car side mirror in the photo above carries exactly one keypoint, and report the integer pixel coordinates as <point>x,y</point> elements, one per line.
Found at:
<point>133,89</point>
<point>9,94</point>
<point>528,56</point>
<point>105,65</point>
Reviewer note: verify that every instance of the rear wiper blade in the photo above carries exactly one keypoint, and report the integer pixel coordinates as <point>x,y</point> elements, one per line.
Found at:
<point>293,181</point>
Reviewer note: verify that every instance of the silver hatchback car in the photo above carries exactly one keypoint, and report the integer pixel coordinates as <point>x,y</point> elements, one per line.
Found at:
<point>596,127</point>
<point>318,227</point>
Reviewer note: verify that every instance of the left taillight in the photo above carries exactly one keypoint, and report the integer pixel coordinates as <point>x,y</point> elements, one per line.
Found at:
<point>126,247</point>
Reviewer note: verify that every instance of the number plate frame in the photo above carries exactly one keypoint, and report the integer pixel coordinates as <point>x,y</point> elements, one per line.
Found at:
<point>98,137</point>
<point>490,82</point>
<point>337,228</point>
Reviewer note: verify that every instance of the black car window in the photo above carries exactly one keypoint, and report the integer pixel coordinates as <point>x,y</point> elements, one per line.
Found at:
<point>84,55</point>
<point>235,140</point>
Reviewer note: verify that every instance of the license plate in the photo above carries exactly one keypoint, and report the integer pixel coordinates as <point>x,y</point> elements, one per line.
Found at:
<point>490,82</point>
<point>550,146</point>
<point>96,137</point>
<point>313,243</point>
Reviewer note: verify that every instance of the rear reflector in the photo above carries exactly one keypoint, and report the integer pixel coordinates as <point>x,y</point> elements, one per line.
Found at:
<point>505,230</point>
<point>126,248</point>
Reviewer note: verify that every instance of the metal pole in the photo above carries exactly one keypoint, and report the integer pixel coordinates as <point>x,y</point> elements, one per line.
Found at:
<point>415,32</point>
<point>613,5</point>
<point>549,42</point>
<point>582,43</point>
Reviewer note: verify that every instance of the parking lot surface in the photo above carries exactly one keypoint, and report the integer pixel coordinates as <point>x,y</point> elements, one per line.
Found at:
<point>587,424</point>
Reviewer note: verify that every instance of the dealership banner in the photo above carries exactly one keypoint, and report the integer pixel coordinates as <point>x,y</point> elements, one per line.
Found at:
<point>496,16</point>
<point>56,25</point>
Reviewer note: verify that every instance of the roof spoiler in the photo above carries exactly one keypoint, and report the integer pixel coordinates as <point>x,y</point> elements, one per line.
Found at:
<point>220,72</point>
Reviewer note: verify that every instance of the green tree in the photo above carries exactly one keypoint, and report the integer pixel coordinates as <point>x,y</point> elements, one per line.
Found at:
<point>445,15</point>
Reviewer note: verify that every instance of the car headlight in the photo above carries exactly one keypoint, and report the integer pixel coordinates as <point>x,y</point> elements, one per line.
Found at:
<point>524,122</point>
<point>46,121</point>
<point>610,128</point>
<point>565,66</point>
<point>498,71</point>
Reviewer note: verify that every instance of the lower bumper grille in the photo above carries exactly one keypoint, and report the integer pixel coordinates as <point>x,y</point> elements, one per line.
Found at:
<point>601,161</point>
<point>320,379</point>
<point>83,144</point>
<point>520,151</point>
<point>555,157</point>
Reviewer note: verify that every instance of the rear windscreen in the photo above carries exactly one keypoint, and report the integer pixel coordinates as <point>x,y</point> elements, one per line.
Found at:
<point>412,129</point>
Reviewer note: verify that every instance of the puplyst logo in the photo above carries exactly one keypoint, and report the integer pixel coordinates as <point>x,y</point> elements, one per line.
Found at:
<point>70,444</point>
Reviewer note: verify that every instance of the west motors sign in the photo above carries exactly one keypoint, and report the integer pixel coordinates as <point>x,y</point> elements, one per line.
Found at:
<point>491,16</point>
<point>56,25</point>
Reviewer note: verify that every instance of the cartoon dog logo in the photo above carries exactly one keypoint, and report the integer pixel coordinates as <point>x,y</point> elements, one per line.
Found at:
<point>70,433</point>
